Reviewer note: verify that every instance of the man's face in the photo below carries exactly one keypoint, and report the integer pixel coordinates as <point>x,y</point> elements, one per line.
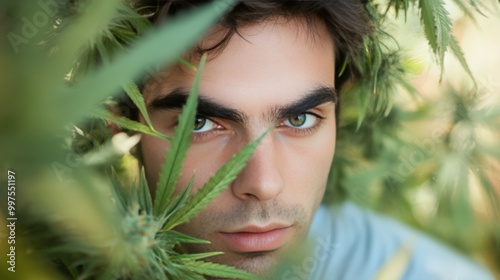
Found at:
<point>278,73</point>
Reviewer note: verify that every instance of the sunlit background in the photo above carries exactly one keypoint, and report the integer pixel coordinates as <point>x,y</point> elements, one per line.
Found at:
<point>433,161</point>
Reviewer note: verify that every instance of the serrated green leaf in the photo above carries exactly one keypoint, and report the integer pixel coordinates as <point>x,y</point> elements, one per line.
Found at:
<point>179,201</point>
<point>437,27</point>
<point>194,257</point>
<point>218,270</point>
<point>126,123</point>
<point>145,200</point>
<point>172,167</point>
<point>182,273</point>
<point>175,237</point>
<point>215,185</point>
<point>457,51</point>
<point>136,96</point>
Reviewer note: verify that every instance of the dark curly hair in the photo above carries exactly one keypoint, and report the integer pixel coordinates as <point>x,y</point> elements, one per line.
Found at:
<point>346,20</point>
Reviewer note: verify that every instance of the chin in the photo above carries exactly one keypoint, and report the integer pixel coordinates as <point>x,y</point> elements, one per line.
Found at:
<point>261,264</point>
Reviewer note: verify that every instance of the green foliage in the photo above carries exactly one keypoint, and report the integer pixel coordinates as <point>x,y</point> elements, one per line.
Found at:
<point>437,26</point>
<point>126,123</point>
<point>83,217</point>
<point>89,226</point>
<point>217,183</point>
<point>136,96</point>
<point>413,158</point>
<point>171,169</point>
<point>455,48</point>
<point>130,65</point>
<point>382,73</point>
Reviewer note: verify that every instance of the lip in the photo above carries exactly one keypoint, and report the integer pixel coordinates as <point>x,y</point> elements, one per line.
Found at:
<point>256,239</point>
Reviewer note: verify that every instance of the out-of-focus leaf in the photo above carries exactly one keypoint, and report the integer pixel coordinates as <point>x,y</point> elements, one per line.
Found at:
<point>395,268</point>
<point>136,96</point>
<point>461,4</point>
<point>84,27</point>
<point>150,51</point>
<point>126,123</point>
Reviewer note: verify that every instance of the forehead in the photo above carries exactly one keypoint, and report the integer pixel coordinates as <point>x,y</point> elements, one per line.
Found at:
<point>266,64</point>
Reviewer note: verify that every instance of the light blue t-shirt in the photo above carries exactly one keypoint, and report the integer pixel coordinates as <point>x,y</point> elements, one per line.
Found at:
<point>352,243</point>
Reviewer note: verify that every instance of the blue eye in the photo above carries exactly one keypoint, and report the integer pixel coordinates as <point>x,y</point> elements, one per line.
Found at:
<point>203,124</point>
<point>301,121</point>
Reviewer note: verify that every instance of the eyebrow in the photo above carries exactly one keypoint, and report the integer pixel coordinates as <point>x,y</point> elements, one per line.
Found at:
<point>315,97</point>
<point>210,108</point>
<point>206,107</point>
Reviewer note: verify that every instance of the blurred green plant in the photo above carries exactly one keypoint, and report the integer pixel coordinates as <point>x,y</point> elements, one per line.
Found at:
<point>94,227</point>
<point>58,83</point>
<point>421,160</point>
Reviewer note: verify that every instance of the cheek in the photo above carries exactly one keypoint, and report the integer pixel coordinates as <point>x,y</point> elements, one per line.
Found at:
<point>306,164</point>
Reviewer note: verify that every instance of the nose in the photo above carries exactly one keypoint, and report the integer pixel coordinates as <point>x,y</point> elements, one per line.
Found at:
<point>261,178</point>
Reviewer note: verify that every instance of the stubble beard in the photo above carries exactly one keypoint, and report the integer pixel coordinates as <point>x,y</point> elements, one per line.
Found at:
<point>258,263</point>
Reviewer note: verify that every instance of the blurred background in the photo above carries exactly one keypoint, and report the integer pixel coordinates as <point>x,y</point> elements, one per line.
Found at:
<point>431,161</point>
